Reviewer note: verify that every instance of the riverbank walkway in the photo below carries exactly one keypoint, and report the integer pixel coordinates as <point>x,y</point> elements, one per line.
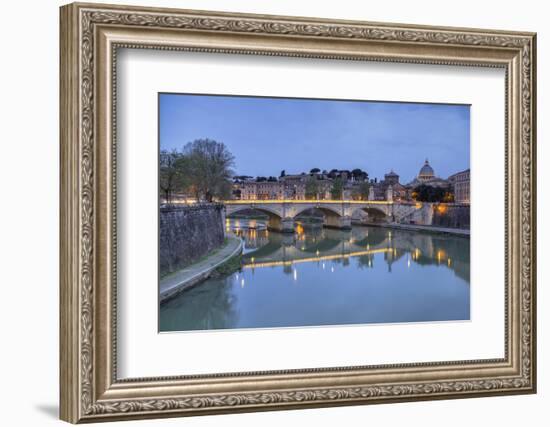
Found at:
<point>428,228</point>
<point>178,281</point>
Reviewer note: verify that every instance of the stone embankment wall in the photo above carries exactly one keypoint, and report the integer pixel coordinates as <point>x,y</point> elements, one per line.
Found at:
<point>448,215</point>
<point>421,216</point>
<point>187,233</point>
<point>451,215</point>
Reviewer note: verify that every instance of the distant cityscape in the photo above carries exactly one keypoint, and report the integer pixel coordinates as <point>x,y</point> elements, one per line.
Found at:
<point>287,214</point>
<point>354,185</point>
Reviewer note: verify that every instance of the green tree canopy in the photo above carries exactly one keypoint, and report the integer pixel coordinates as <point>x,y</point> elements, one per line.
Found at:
<point>359,174</point>
<point>427,193</point>
<point>337,188</point>
<point>312,188</point>
<point>171,177</point>
<point>207,166</point>
<point>361,191</point>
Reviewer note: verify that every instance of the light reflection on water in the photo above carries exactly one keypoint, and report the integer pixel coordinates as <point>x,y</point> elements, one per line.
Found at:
<point>331,277</point>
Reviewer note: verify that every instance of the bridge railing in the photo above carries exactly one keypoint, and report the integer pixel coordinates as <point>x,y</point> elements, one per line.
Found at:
<point>302,201</point>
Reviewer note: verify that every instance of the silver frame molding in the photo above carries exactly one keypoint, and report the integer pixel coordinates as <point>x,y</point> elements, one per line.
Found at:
<point>90,37</point>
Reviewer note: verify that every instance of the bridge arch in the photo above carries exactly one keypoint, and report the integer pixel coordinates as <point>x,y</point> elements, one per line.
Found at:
<point>276,221</point>
<point>268,211</point>
<point>326,210</point>
<point>375,214</point>
<point>333,217</point>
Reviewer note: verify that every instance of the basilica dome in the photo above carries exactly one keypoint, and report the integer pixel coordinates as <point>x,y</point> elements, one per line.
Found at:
<point>426,172</point>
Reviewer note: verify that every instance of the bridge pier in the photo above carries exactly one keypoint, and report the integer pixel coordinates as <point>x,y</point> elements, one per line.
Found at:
<point>287,225</point>
<point>339,222</point>
<point>283,225</point>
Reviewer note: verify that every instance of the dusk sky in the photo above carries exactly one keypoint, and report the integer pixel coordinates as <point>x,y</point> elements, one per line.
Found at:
<point>267,135</point>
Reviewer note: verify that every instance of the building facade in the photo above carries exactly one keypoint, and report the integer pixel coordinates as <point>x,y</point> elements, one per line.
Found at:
<point>320,186</point>
<point>461,186</point>
<point>270,190</point>
<point>388,189</point>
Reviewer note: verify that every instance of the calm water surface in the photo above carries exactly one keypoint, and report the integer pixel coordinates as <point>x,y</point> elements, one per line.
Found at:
<point>331,277</point>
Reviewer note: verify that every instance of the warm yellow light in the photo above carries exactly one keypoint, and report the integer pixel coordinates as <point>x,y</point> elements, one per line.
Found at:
<point>266,201</point>
<point>315,259</point>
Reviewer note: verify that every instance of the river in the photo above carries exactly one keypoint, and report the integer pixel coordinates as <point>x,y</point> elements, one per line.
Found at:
<point>318,277</point>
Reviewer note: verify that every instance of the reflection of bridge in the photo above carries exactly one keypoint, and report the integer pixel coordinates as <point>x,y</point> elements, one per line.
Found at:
<point>364,243</point>
<point>253,264</point>
<point>324,247</point>
<point>337,213</point>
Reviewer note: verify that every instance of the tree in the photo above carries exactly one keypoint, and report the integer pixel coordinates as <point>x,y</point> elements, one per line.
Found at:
<point>315,170</point>
<point>283,173</point>
<point>359,175</point>
<point>361,191</point>
<point>345,174</point>
<point>337,189</point>
<point>312,188</point>
<point>208,169</point>
<point>427,193</point>
<point>356,173</point>
<point>171,177</point>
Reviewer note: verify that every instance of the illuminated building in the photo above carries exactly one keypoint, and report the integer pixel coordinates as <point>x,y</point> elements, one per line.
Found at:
<point>461,186</point>
<point>426,176</point>
<point>389,188</point>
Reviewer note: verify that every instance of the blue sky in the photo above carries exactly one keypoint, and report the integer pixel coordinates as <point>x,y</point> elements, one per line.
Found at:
<point>267,135</point>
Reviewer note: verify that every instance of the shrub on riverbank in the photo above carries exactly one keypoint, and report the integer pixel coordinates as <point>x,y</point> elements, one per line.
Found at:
<point>231,266</point>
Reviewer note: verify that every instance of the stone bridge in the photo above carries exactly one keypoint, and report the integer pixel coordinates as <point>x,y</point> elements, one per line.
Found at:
<point>337,213</point>
<point>297,252</point>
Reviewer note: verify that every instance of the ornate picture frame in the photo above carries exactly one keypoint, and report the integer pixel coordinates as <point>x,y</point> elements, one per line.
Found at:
<point>90,37</point>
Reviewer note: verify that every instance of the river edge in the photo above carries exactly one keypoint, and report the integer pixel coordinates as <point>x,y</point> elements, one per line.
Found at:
<point>337,290</point>
<point>424,228</point>
<point>191,276</point>
<point>173,285</point>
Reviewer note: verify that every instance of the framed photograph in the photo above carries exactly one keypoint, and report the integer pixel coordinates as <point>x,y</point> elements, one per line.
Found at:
<point>266,212</point>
